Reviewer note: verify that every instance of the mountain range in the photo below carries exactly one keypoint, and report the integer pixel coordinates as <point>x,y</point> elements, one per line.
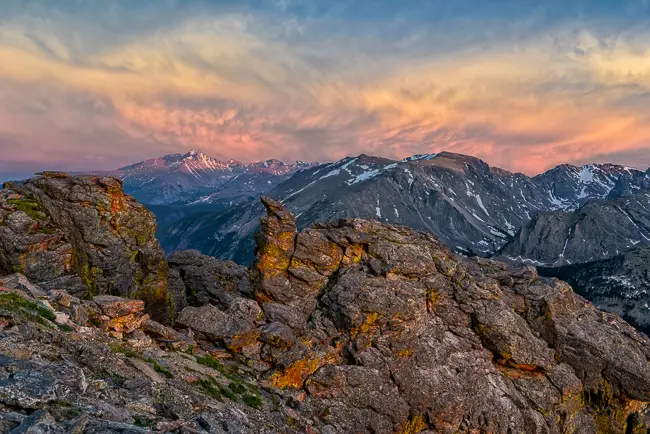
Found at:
<point>585,224</point>
<point>474,208</point>
<point>196,178</point>
<point>565,220</point>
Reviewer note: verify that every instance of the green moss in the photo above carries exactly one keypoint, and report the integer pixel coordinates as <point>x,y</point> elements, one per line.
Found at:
<point>142,423</point>
<point>237,388</point>
<point>65,409</point>
<point>119,348</point>
<point>210,388</point>
<point>26,310</point>
<point>254,401</point>
<point>210,362</point>
<point>29,206</point>
<point>161,369</point>
<point>45,313</point>
<point>48,231</point>
<point>65,328</point>
<point>227,392</point>
<point>87,273</point>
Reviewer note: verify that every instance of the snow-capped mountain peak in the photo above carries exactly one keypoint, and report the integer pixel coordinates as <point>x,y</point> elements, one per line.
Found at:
<point>197,177</point>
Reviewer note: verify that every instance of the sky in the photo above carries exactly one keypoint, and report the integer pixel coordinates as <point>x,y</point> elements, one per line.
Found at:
<point>522,84</point>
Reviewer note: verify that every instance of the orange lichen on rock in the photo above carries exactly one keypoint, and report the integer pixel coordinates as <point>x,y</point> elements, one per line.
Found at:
<point>366,326</point>
<point>352,254</point>
<point>296,374</point>
<point>274,257</point>
<point>405,353</point>
<point>433,298</point>
<point>516,373</point>
<point>415,425</point>
<point>125,324</point>
<point>244,340</point>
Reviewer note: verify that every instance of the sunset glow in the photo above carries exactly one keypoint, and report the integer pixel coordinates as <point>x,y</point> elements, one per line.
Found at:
<point>102,84</point>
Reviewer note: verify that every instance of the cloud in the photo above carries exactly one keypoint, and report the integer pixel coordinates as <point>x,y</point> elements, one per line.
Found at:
<point>104,84</point>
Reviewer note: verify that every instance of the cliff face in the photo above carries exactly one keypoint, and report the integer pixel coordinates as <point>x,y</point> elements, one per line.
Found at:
<point>82,234</point>
<point>345,327</point>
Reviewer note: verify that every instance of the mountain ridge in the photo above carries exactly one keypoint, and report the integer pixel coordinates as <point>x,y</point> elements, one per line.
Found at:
<point>472,206</point>
<point>193,177</point>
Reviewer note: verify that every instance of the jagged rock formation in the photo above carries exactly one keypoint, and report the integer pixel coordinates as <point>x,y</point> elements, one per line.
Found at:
<point>85,235</point>
<point>349,326</point>
<point>199,279</point>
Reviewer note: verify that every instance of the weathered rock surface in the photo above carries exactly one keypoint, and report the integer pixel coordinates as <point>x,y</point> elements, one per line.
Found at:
<point>84,235</point>
<point>403,334</point>
<point>350,326</point>
<point>86,380</point>
<point>199,279</point>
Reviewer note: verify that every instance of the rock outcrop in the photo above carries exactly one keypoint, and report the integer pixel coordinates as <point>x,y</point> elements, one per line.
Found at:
<point>85,235</point>
<point>197,279</point>
<point>352,326</point>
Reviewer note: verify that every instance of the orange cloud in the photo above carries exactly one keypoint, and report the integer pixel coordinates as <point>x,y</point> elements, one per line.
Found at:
<point>235,89</point>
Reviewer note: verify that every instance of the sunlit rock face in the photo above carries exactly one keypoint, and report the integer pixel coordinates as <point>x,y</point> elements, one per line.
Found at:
<point>85,235</point>
<point>348,326</point>
<point>380,328</point>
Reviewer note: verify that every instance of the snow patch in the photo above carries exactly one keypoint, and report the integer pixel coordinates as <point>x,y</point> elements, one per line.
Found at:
<point>526,260</point>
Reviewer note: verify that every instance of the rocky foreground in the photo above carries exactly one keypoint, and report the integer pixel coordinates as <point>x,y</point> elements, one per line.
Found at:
<point>347,327</point>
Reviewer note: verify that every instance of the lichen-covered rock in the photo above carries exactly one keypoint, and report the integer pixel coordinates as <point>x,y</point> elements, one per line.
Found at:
<point>85,235</point>
<point>355,327</point>
<point>30,241</point>
<point>114,307</point>
<point>404,336</point>
<point>87,381</point>
<point>275,247</point>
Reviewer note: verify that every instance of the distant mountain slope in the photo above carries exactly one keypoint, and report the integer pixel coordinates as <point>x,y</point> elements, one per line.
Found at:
<point>599,229</point>
<point>472,207</point>
<point>195,177</point>
<point>620,284</point>
<point>572,186</point>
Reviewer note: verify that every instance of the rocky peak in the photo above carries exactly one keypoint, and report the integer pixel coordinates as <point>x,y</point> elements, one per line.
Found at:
<point>85,235</point>
<point>275,243</point>
<point>195,162</point>
<point>379,328</point>
<point>348,326</point>
<point>453,161</point>
<point>419,157</point>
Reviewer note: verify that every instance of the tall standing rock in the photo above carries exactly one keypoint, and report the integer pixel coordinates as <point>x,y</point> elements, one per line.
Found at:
<point>275,246</point>
<point>96,238</point>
